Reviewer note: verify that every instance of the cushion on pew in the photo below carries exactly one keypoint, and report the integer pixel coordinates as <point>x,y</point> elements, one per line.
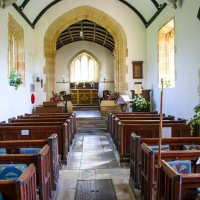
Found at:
<point>163,147</point>
<point>1,196</point>
<point>11,171</point>
<point>29,150</point>
<point>190,147</point>
<point>181,166</point>
<point>2,151</point>
<point>197,192</point>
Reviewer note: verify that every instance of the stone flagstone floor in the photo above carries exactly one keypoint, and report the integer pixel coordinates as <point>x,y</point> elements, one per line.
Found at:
<point>93,157</point>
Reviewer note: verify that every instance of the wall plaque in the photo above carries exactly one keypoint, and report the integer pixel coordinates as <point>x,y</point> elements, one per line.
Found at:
<point>137,69</point>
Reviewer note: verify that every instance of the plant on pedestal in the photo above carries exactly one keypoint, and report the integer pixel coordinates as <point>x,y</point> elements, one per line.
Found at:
<point>139,103</point>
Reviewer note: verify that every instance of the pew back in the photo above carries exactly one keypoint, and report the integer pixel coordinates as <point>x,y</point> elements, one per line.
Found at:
<point>173,186</point>
<point>146,130</point>
<point>38,133</point>
<point>150,160</point>
<point>175,143</point>
<point>42,163</point>
<point>13,146</point>
<point>23,188</point>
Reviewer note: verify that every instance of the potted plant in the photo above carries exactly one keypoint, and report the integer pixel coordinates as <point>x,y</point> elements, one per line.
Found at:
<point>194,122</point>
<point>139,103</point>
<point>15,79</point>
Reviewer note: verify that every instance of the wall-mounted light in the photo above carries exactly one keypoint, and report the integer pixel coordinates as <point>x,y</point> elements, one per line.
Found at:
<point>104,78</point>
<point>63,79</point>
<point>38,79</point>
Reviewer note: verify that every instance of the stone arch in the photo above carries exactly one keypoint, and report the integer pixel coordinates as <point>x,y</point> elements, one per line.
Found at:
<point>99,17</point>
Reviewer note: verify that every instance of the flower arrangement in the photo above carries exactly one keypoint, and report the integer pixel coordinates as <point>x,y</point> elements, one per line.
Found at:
<point>57,97</point>
<point>15,79</point>
<point>195,120</point>
<point>139,102</point>
<point>113,95</point>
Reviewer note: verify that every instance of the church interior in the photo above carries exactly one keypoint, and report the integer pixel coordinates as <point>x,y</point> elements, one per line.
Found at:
<point>102,98</point>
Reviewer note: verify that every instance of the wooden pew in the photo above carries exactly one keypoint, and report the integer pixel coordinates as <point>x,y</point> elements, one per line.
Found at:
<point>23,188</point>
<point>145,130</point>
<point>149,161</point>
<point>69,118</point>
<point>135,152</point>
<point>70,135</point>
<point>130,116</point>
<point>50,109</point>
<point>111,114</point>
<point>115,120</point>
<point>114,134</point>
<point>46,121</point>
<point>13,146</point>
<point>48,114</point>
<point>43,170</point>
<point>38,133</point>
<point>175,186</point>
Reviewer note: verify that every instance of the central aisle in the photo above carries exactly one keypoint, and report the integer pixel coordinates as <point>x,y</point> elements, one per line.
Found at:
<point>93,157</point>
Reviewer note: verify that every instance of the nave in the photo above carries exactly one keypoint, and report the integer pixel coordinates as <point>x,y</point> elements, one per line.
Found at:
<point>93,157</point>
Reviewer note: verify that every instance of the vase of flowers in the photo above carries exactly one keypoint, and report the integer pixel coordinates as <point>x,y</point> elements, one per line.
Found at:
<point>57,97</point>
<point>15,79</point>
<point>139,103</point>
<point>113,95</point>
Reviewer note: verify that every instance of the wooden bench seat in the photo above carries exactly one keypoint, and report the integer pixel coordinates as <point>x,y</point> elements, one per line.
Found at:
<point>145,130</point>
<point>175,143</point>
<point>115,129</point>
<point>150,160</point>
<point>112,116</point>
<point>43,170</point>
<point>23,188</point>
<point>70,119</point>
<point>130,120</point>
<point>70,135</point>
<point>173,186</point>
<point>13,146</point>
<point>38,133</point>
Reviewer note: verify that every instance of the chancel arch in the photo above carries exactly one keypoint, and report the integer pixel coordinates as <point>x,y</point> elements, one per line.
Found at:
<point>97,16</point>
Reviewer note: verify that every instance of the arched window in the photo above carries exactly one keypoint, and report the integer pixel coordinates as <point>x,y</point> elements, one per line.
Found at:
<point>167,55</point>
<point>16,58</point>
<point>84,68</point>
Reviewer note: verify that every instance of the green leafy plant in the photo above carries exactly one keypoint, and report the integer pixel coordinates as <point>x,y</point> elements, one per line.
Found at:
<point>15,79</point>
<point>195,120</point>
<point>139,102</point>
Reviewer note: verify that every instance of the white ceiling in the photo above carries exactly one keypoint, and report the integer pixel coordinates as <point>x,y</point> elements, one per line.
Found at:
<point>32,10</point>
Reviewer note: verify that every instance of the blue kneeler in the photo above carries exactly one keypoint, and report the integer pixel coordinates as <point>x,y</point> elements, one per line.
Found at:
<point>11,171</point>
<point>29,150</point>
<point>163,147</point>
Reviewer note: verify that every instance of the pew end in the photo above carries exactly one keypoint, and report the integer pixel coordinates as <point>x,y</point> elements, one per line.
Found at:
<point>21,189</point>
<point>173,185</point>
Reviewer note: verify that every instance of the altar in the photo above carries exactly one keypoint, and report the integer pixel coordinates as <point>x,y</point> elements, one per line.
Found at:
<point>85,94</point>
